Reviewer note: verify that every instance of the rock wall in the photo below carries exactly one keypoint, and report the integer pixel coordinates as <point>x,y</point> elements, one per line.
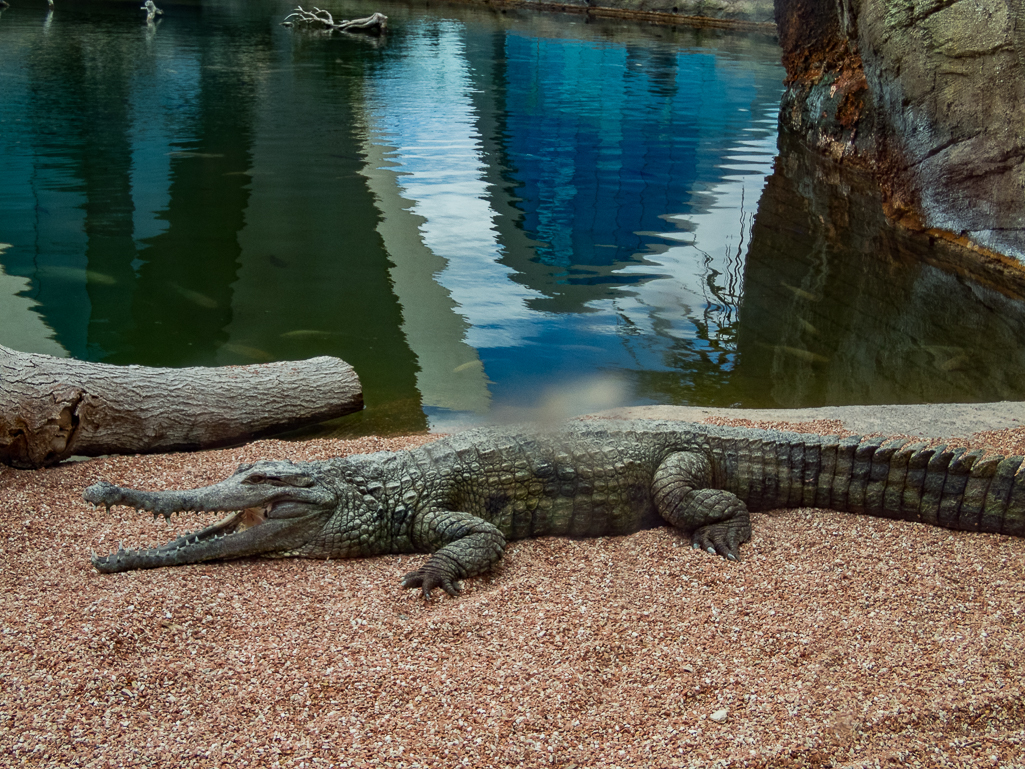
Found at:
<point>928,95</point>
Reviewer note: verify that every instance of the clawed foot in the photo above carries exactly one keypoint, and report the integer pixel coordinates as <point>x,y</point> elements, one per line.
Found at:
<point>723,538</point>
<point>427,579</point>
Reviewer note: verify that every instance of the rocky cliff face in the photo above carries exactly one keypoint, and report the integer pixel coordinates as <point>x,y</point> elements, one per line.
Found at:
<point>929,95</point>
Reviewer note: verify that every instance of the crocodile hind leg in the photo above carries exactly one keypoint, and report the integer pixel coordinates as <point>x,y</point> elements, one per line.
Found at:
<point>718,519</point>
<point>461,545</point>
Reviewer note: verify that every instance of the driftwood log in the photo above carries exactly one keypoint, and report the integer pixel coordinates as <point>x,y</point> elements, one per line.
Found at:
<point>53,408</point>
<point>323,21</point>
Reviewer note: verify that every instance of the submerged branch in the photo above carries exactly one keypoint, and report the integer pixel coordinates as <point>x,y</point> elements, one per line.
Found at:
<point>151,11</point>
<point>322,21</point>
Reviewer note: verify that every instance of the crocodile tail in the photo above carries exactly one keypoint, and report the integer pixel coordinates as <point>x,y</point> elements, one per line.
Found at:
<point>955,489</point>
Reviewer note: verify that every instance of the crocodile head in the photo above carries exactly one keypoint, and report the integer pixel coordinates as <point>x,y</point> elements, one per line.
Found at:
<point>276,508</point>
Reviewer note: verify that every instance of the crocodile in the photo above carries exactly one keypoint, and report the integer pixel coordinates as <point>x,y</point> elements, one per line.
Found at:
<point>462,498</point>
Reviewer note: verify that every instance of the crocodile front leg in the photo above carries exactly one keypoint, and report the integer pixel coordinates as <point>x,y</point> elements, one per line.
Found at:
<point>462,545</point>
<point>718,519</point>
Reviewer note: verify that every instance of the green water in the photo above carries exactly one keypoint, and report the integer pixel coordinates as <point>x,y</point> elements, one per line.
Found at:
<point>486,214</point>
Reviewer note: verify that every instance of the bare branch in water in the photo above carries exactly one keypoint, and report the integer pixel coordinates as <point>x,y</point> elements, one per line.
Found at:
<point>322,21</point>
<point>151,11</point>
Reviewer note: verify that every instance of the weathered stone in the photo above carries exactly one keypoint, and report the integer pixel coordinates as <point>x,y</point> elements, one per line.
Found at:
<point>927,94</point>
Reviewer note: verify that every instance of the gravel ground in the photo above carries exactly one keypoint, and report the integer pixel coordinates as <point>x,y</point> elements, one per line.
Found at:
<point>838,641</point>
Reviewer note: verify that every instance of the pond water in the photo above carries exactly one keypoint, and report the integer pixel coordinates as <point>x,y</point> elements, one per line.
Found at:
<point>486,214</point>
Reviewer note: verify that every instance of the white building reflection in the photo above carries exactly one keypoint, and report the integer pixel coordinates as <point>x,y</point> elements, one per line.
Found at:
<point>593,276</point>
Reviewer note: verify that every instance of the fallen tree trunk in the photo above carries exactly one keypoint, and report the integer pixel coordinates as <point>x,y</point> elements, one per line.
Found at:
<point>54,408</point>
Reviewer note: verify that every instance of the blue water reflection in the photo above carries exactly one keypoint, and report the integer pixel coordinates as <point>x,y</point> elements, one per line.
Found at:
<point>479,212</point>
<point>589,202</point>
